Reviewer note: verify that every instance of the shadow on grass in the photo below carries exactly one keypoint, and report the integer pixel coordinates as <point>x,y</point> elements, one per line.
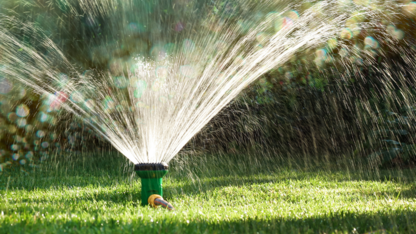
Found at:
<point>125,193</point>
<point>345,222</point>
<point>114,168</point>
<point>195,177</point>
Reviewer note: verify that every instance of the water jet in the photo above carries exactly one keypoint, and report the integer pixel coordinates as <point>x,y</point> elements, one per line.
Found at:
<point>149,106</point>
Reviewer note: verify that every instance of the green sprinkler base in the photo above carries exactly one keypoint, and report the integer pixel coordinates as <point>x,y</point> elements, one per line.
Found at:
<point>151,176</point>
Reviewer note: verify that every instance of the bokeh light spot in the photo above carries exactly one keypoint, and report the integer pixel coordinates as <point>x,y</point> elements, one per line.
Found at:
<point>188,71</point>
<point>108,103</point>
<point>157,84</point>
<point>15,157</point>
<point>22,110</point>
<point>188,46</point>
<point>289,75</point>
<point>45,144</point>
<point>162,72</point>
<point>14,147</point>
<point>346,33</point>
<point>12,117</point>
<point>76,97</point>
<point>179,26</point>
<point>371,42</point>
<point>43,117</point>
<point>21,122</point>
<point>139,87</point>
<point>62,80</point>
<point>29,155</point>
<point>158,52</point>
<point>332,43</point>
<point>40,133</point>
<point>120,82</point>
<point>5,85</point>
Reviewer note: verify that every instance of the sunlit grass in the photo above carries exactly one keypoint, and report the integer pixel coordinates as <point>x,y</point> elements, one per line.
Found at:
<point>211,194</point>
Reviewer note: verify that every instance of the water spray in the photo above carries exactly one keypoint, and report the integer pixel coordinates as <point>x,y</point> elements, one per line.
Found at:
<point>152,178</point>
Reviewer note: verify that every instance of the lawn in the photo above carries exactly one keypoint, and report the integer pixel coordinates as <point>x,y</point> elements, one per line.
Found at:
<point>99,193</point>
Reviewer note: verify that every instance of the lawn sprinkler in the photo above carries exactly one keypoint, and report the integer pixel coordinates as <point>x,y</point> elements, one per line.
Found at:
<point>152,191</point>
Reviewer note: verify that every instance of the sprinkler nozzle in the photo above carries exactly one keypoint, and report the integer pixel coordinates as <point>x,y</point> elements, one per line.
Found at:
<point>151,167</point>
<point>157,200</point>
<point>151,175</point>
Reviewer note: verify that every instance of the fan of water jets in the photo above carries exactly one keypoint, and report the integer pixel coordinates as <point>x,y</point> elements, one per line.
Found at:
<point>150,112</point>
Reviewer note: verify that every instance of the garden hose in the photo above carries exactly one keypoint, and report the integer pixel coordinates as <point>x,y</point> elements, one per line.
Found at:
<point>157,200</point>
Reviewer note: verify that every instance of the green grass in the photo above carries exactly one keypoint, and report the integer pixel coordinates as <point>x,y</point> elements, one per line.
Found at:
<point>211,194</point>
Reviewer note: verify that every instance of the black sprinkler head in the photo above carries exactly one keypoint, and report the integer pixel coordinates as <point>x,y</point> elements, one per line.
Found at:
<point>151,167</point>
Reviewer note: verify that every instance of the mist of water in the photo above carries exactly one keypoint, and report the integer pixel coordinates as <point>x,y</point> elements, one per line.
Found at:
<point>151,110</point>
